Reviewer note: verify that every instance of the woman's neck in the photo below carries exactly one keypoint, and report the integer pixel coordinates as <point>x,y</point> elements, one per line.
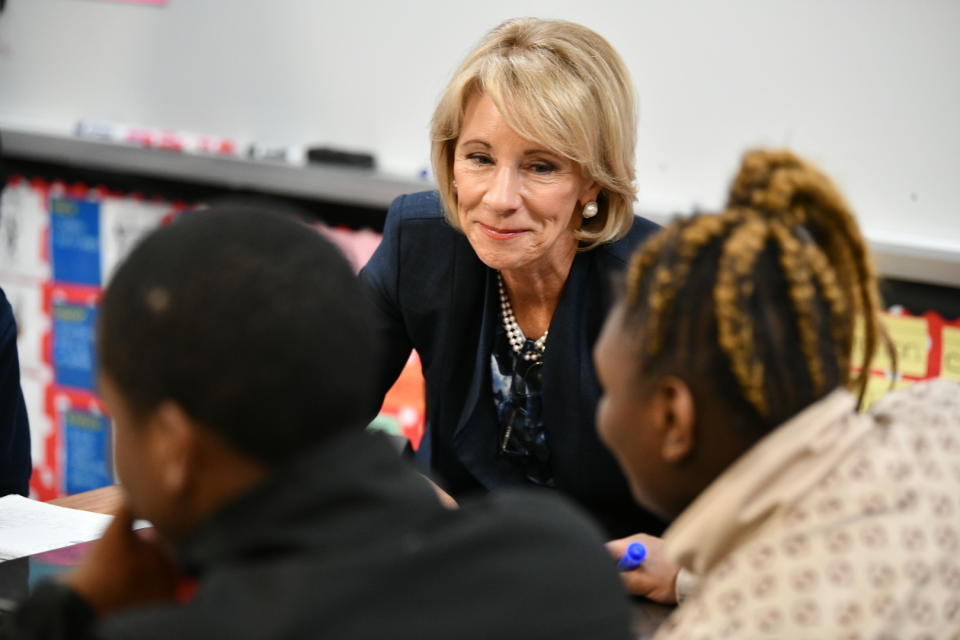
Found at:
<point>535,290</point>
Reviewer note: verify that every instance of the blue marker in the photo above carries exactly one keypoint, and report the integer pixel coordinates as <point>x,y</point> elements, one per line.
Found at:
<point>633,557</point>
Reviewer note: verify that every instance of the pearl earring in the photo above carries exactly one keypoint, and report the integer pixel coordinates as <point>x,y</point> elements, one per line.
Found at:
<point>455,184</point>
<point>590,209</point>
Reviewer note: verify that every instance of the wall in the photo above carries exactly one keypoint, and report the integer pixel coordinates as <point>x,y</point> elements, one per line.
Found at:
<point>868,88</point>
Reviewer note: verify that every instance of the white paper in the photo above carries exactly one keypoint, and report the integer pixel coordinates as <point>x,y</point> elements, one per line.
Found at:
<point>28,526</point>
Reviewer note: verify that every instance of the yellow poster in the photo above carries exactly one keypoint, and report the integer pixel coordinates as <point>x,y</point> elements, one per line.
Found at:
<point>879,386</point>
<point>950,363</point>
<point>911,337</point>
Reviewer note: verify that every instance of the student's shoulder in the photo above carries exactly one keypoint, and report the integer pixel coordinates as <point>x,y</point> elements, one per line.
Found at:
<point>528,507</point>
<point>553,556</point>
<point>923,403</point>
<point>551,519</point>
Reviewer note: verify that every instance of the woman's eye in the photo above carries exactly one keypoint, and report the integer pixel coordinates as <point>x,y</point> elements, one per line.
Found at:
<point>479,158</point>
<point>542,167</point>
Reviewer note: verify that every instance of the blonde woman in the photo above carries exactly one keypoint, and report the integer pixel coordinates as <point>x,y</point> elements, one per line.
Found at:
<point>501,278</point>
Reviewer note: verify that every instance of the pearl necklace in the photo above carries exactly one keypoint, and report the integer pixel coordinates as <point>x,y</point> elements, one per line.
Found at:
<point>515,333</point>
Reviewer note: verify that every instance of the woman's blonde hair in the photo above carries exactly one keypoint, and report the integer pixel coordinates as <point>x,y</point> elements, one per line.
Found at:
<point>563,86</point>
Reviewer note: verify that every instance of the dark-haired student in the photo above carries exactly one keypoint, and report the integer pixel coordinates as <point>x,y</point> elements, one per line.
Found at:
<point>236,360</point>
<point>730,404</point>
<point>15,463</point>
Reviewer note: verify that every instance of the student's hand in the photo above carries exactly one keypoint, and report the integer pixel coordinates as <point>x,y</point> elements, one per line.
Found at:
<point>656,578</point>
<point>123,570</point>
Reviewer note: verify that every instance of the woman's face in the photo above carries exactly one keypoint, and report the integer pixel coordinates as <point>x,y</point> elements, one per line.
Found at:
<point>517,201</point>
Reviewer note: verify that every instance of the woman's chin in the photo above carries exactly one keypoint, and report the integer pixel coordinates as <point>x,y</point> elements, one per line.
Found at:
<point>499,255</point>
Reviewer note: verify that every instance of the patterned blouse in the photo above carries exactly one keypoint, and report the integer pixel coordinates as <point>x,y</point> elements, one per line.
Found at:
<point>517,386</point>
<point>836,525</point>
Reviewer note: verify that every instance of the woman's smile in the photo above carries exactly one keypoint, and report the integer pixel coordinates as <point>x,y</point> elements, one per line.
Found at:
<point>499,233</point>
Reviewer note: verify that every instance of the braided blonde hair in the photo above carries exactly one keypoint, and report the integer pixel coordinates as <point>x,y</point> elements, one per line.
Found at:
<point>787,255</point>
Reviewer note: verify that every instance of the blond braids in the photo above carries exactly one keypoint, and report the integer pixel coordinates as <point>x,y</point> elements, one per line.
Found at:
<point>777,202</point>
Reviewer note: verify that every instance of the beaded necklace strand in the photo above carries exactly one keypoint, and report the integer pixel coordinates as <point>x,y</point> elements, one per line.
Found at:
<point>515,333</point>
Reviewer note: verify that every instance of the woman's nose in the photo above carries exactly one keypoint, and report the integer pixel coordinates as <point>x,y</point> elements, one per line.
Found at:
<point>503,191</point>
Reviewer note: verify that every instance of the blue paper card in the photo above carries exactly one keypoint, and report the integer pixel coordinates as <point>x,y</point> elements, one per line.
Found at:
<point>75,241</point>
<point>87,448</point>
<point>74,364</point>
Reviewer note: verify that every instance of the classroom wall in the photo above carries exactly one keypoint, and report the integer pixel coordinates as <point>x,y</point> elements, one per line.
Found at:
<point>869,88</point>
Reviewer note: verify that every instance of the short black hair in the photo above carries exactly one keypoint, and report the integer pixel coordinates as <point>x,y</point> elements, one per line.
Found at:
<point>251,321</point>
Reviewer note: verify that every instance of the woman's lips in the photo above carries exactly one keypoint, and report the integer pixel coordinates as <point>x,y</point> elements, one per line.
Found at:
<point>500,234</point>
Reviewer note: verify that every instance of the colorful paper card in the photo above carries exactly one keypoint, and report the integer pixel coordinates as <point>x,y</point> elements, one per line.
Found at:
<point>911,335</point>
<point>24,230</point>
<point>950,364</point>
<point>87,448</point>
<point>879,385</point>
<point>75,240</point>
<point>73,344</point>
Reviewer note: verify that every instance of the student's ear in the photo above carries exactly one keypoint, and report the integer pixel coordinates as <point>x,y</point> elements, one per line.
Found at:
<point>675,418</point>
<point>175,442</point>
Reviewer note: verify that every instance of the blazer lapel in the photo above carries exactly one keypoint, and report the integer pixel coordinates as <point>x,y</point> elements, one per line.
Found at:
<point>477,434</point>
<point>564,373</point>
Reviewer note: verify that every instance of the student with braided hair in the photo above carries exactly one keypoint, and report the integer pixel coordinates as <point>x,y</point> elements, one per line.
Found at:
<point>730,404</point>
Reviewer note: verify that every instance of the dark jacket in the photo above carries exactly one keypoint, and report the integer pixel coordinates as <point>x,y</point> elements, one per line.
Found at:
<point>349,543</point>
<point>15,464</point>
<point>434,295</point>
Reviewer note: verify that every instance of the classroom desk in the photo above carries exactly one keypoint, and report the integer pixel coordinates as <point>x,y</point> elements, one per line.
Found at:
<point>105,500</point>
<point>647,616</point>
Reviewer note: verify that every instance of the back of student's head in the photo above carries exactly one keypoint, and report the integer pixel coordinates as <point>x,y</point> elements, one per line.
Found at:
<point>250,321</point>
<point>758,305</point>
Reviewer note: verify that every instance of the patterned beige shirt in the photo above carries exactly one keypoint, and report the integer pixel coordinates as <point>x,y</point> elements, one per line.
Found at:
<point>836,525</point>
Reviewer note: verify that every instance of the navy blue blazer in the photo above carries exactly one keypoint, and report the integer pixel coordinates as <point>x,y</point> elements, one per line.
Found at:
<point>433,294</point>
<point>15,464</point>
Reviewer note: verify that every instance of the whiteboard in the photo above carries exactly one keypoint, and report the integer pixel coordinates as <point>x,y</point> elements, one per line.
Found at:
<point>870,89</point>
